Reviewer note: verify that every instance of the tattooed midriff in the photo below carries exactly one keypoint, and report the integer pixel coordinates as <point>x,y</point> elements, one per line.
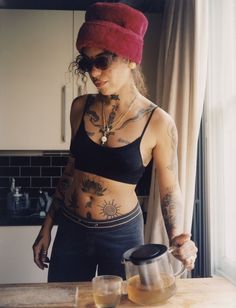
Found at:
<point>99,198</point>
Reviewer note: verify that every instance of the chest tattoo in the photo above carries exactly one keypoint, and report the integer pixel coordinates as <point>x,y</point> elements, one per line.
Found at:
<point>123,141</point>
<point>140,114</point>
<point>93,118</point>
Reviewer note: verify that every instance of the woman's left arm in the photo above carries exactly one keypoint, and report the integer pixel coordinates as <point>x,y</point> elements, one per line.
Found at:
<point>166,162</point>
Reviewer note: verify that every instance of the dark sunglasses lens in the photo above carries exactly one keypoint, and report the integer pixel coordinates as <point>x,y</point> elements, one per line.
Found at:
<point>102,62</point>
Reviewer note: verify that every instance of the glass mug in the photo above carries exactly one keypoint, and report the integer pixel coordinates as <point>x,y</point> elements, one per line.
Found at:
<point>149,274</point>
<point>107,290</point>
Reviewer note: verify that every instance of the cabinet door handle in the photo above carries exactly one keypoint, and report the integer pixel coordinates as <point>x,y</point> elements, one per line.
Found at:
<point>63,115</point>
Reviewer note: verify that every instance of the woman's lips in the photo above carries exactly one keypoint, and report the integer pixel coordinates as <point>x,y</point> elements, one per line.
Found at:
<point>100,84</point>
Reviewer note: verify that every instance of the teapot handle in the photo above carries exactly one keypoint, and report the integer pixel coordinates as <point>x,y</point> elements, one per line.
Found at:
<point>183,268</point>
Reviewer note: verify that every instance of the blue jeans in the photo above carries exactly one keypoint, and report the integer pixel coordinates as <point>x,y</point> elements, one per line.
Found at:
<point>82,248</point>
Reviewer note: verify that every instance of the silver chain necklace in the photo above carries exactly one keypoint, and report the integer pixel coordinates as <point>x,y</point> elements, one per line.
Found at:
<point>107,129</point>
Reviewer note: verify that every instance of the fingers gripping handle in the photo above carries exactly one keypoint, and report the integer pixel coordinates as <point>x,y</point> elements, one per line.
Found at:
<point>183,268</point>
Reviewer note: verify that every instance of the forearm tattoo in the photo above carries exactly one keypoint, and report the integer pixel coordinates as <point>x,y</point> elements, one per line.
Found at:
<point>64,195</point>
<point>65,183</point>
<point>55,206</point>
<point>171,210</point>
<point>109,209</point>
<point>173,166</point>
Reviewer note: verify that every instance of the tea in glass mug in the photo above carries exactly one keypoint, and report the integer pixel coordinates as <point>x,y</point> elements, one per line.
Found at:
<point>107,291</point>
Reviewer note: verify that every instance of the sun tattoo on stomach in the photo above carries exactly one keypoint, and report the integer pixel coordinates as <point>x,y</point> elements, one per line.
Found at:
<point>110,209</point>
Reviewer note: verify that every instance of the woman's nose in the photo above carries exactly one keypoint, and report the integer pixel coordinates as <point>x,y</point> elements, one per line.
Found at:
<point>95,71</point>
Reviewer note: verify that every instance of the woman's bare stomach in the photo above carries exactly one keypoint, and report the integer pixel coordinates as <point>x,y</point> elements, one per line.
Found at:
<point>98,198</point>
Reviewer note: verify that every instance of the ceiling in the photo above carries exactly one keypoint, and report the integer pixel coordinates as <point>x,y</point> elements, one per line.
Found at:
<point>146,6</point>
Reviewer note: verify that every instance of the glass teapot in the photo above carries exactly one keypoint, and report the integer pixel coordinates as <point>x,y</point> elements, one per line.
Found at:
<point>149,274</point>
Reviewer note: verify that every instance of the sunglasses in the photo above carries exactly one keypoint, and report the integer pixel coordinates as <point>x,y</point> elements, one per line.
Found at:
<point>101,62</point>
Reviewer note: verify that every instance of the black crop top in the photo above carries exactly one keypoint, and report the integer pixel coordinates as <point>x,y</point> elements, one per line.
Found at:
<point>123,164</point>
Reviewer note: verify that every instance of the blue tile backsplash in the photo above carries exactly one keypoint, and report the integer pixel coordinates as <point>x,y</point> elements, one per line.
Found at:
<point>39,173</point>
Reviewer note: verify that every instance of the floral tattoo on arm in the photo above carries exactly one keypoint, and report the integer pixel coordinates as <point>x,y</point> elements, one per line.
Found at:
<point>171,206</point>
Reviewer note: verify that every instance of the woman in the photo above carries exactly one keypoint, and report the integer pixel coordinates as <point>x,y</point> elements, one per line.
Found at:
<point>115,134</point>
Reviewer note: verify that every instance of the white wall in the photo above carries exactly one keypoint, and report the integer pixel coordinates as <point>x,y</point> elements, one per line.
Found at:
<point>16,255</point>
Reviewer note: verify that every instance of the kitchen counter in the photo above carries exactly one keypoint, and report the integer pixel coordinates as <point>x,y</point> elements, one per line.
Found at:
<point>191,293</point>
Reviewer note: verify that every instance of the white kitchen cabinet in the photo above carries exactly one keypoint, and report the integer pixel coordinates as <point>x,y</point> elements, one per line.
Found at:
<point>36,89</point>
<point>16,255</point>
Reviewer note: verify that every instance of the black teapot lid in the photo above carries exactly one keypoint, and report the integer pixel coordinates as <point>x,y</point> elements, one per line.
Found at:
<point>147,253</point>
<point>128,253</point>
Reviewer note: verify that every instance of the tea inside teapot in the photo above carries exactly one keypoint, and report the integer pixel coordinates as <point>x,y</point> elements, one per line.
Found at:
<point>149,274</point>
<point>150,295</point>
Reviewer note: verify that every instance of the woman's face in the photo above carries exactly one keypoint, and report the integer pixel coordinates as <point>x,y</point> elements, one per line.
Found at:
<point>112,79</point>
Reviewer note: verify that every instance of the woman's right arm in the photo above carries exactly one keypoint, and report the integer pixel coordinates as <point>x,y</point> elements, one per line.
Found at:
<point>42,242</point>
<point>63,190</point>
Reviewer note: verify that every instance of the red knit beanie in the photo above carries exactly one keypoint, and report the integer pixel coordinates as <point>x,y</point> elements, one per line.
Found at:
<point>115,27</point>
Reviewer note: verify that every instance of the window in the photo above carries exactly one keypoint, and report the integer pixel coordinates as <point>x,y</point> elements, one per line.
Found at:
<point>220,121</point>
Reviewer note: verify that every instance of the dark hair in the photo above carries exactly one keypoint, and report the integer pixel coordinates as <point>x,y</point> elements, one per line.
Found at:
<point>138,77</point>
<point>74,68</point>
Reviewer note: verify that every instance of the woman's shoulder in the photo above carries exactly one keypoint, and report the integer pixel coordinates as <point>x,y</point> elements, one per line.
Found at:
<point>78,103</point>
<point>165,126</point>
<point>162,124</point>
<point>159,116</point>
<point>162,117</point>
<point>77,109</point>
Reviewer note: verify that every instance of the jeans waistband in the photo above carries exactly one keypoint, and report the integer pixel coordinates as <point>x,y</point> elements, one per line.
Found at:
<point>103,223</point>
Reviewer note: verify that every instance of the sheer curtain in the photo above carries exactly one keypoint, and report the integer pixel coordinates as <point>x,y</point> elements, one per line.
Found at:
<point>182,71</point>
<point>220,119</point>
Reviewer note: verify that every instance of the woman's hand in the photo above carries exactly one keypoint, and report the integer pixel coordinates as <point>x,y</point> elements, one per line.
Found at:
<point>185,250</point>
<point>40,249</point>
